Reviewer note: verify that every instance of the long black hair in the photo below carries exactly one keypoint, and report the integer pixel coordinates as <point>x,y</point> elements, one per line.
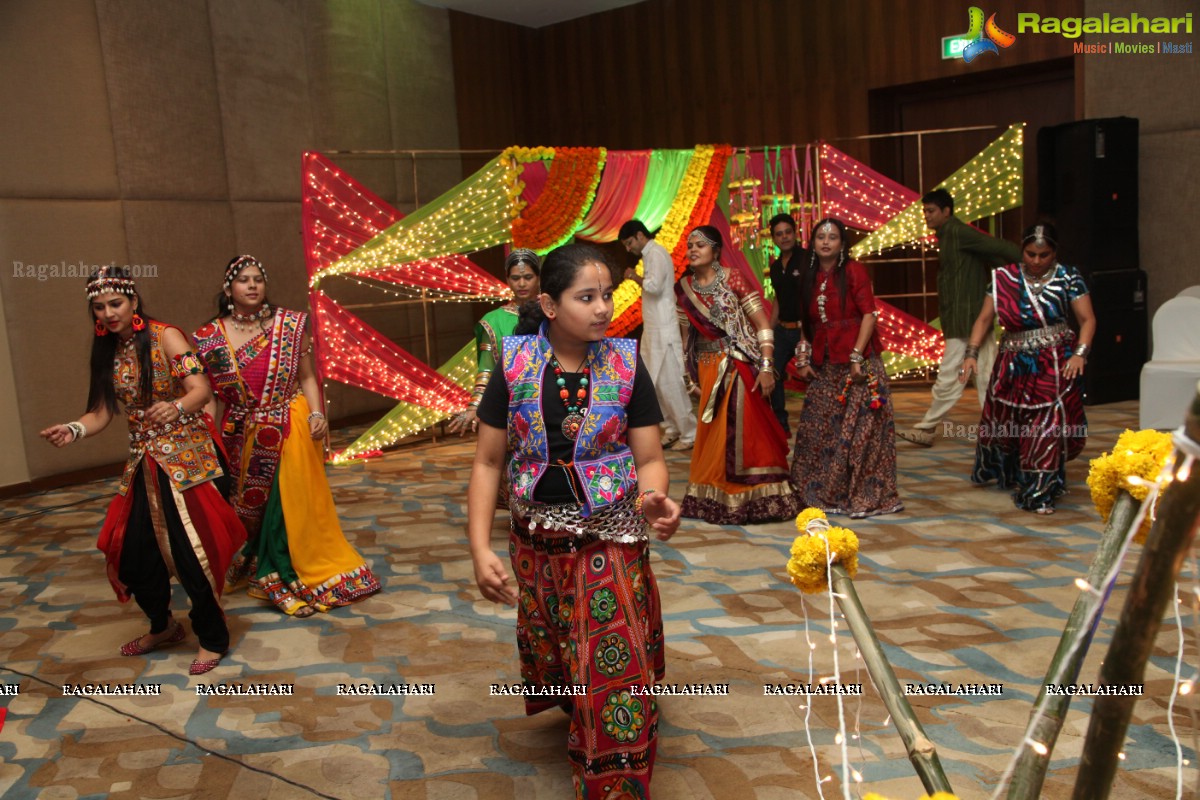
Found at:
<point>810,273</point>
<point>558,273</point>
<point>101,393</point>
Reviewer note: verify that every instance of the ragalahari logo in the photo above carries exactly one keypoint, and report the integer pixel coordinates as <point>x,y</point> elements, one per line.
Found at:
<point>984,38</point>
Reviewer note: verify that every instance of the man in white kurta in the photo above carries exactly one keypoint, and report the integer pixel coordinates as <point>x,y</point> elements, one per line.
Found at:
<point>662,349</point>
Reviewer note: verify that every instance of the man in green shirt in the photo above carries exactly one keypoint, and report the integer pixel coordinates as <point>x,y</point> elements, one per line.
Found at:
<point>966,257</point>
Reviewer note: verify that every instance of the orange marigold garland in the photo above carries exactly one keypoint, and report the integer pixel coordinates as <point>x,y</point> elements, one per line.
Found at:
<point>559,210</point>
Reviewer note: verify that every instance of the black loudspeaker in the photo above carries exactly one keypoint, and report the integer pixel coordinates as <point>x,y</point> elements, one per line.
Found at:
<point>1114,366</point>
<point>1088,186</point>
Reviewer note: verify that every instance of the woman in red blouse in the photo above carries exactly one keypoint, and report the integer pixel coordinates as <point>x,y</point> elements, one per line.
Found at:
<point>845,457</point>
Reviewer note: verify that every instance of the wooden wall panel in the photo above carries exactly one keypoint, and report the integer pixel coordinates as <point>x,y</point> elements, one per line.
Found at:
<point>670,73</point>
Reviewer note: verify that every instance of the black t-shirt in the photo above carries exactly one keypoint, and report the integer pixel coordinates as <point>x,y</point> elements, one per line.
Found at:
<point>555,486</point>
<point>786,283</point>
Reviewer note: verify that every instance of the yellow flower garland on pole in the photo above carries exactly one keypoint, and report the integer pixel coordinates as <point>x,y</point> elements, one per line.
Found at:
<point>810,568</point>
<point>1135,463</point>
<point>819,546</point>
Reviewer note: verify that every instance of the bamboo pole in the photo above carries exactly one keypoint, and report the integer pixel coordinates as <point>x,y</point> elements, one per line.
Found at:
<point>1153,587</point>
<point>1030,770</point>
<point>921,750</point>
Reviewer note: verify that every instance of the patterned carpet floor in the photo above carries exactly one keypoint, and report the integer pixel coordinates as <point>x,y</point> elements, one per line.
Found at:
<point>961,586</point>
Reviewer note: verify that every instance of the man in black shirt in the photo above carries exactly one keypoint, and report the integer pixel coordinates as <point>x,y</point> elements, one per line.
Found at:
<point>786,272</point>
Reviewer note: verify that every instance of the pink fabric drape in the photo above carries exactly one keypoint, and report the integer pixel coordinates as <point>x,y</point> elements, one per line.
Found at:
<point>534,175</point>
<point>617,196</point>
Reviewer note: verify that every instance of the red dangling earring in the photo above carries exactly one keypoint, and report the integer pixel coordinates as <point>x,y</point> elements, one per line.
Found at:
<point>100,329</point>
<point>139,324</point>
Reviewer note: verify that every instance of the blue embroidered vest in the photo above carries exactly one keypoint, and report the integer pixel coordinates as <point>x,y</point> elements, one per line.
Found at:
<point>602,461</point>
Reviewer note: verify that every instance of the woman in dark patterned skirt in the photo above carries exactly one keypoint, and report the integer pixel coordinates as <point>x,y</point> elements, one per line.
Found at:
<point>845,457</point>
<point>1033,422</point>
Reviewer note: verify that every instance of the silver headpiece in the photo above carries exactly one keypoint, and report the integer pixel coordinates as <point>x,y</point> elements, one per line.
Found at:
<point>699,236</point>
<point>522,255</point>
<point>828,227</point>
<point>1038,236</point>
<point>239,264</point>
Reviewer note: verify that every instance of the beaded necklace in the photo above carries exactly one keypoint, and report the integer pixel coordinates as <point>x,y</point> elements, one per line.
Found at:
<point>245,322</point>
<point>576,413</point>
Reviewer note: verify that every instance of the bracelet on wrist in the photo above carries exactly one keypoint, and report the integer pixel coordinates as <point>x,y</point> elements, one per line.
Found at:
<point>1082,351</point>
<point>77,430</point>
<point>641,500</point>
<point>179,408</point>
<point>315,415</point>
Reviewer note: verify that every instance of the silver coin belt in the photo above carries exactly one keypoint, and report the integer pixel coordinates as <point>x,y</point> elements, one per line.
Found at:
<point>619,522</point>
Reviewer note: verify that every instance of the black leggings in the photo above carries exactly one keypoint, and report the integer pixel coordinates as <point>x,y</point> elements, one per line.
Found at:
<point>145,572</point>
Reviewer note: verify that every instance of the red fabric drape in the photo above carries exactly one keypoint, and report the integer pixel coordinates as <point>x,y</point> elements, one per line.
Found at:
<point>357,354</point>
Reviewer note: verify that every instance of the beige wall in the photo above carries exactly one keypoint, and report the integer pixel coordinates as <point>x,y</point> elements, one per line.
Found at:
<point>170,135</point>
<point>1163,92</point>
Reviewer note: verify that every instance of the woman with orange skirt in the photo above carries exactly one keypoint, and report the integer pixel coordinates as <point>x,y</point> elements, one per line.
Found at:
<point>739,472</point>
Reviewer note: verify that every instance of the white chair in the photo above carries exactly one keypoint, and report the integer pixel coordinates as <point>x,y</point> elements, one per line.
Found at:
<point>1169,378</point>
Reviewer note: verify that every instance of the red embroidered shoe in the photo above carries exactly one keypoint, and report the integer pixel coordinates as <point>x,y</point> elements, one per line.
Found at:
<point>135,648</point>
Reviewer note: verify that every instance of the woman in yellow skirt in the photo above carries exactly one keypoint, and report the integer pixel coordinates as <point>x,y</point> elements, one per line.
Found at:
<point>260,364</point>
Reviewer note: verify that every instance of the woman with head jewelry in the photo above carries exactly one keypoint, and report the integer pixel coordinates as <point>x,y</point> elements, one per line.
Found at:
<point>739,470</point>
<point>1033,422</point>
<point>169,516</point>
<point>259,360</point>
<point>521,271</point>
<point>845,456</point>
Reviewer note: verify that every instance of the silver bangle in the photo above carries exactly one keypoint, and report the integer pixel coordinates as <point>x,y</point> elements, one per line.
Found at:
<point>179,407</point>
<point>315,415</point>
<point>77,430</point>
<point>1082,351</point>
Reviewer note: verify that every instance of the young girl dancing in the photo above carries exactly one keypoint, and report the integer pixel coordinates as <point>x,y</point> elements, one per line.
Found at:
<point>587,480</point>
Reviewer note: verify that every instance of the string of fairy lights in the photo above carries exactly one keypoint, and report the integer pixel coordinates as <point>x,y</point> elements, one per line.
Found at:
<point>988,184</point>
<point>354,235</point>
<point>856,194</point>
<point>474,215</point>
<point>1095,597</point>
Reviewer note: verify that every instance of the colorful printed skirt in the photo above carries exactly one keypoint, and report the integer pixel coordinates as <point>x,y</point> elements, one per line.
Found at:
<point>588,616</point>
<point>739,472</point>
<point>845,457</point>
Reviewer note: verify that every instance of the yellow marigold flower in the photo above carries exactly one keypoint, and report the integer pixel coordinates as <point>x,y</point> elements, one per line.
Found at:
<point>1139,454</point>
<point>806,516</point>
<point>808,566</point>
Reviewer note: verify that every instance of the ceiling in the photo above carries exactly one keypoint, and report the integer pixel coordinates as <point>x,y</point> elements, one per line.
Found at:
<point>530,13</point>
